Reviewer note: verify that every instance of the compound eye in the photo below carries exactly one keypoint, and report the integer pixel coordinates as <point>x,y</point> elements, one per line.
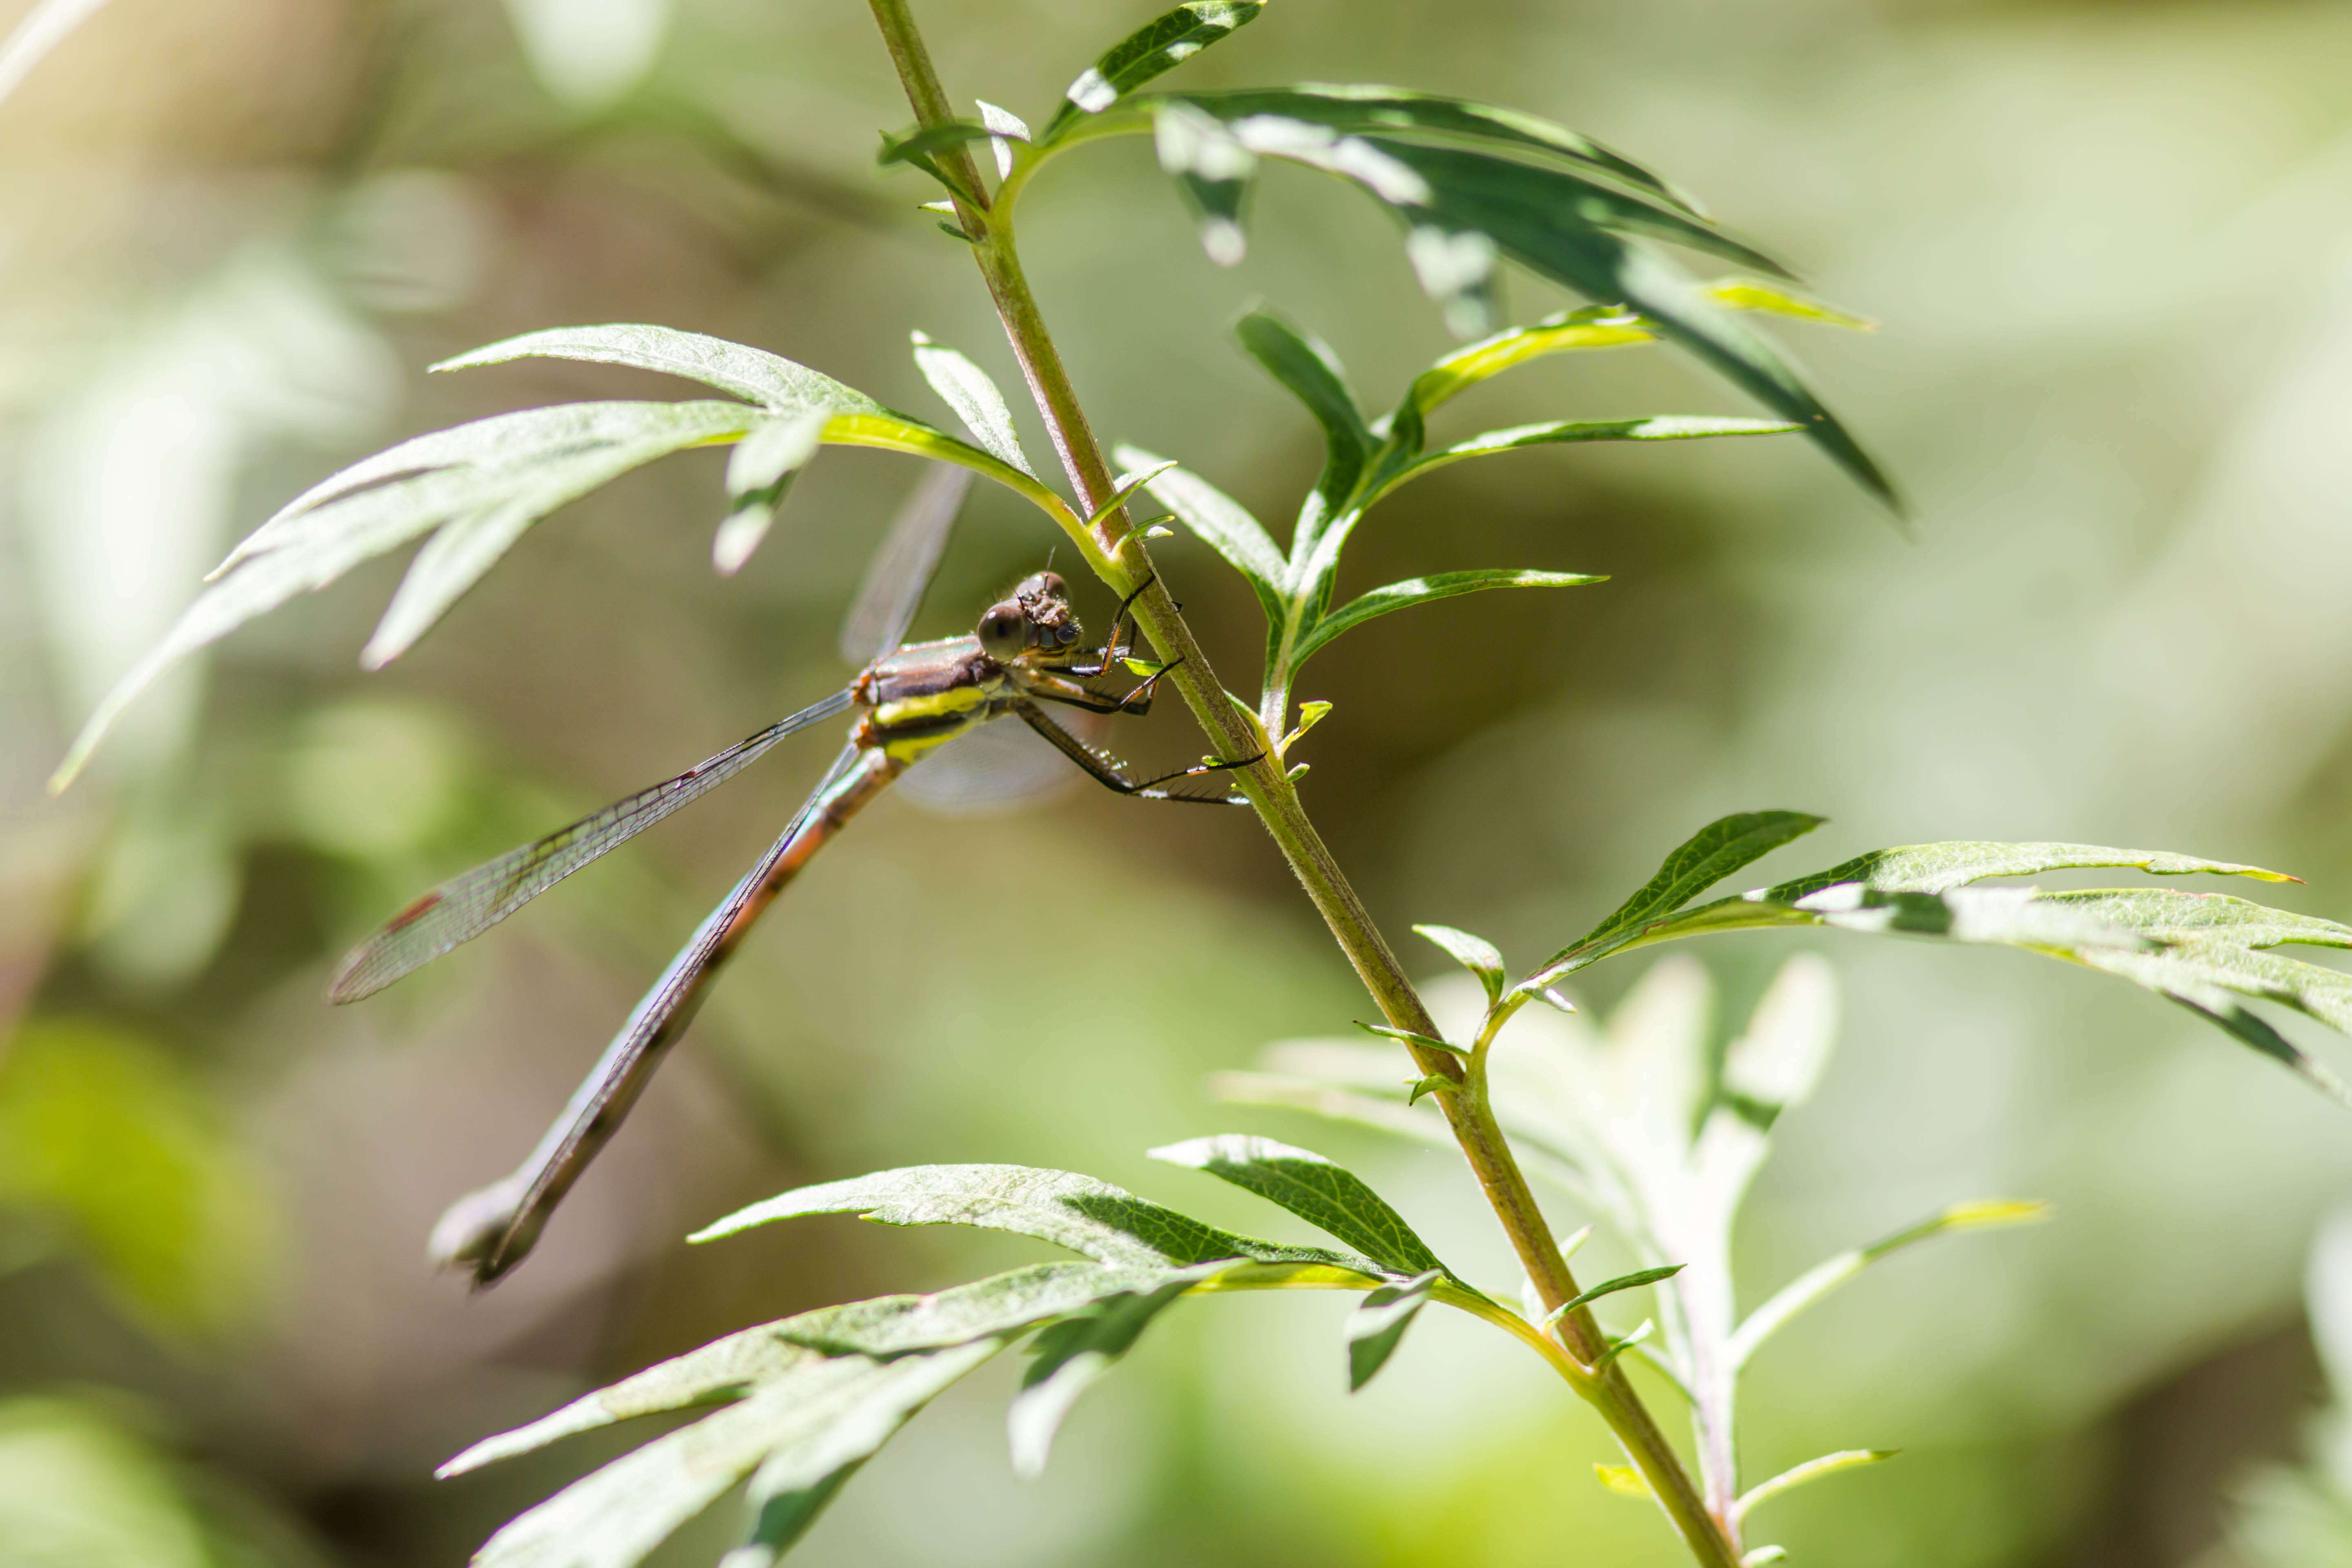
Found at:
<point>1003,632</point>
<point>1066,633</point>
<point>1050,583</point>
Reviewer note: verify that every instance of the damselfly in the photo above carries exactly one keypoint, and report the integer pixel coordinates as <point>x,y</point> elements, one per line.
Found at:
<point>910,701</point>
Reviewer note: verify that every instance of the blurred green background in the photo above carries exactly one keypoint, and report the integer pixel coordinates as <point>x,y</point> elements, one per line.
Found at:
<point>2112,244</point>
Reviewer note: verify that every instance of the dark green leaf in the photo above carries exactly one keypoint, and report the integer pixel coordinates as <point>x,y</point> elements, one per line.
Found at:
<point>1213,171</point>
<point>1422,591</point>
<point>1308,369</point>
<point>966,388</point>
<point>1611,1287</point>
<point>1160,45</point>
<point>1475,953</point>
<point>1359,108</point>
<point>1708,856</point>
<point>1086,1215</point>
<point>1323,1195</point>
<point>1426,1042</point>
<point>1375,1328</point>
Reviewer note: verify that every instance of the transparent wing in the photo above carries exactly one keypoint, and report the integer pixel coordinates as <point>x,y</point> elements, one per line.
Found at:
<point>466,905</point>
<point>893,590</point>
<point>998,768</point>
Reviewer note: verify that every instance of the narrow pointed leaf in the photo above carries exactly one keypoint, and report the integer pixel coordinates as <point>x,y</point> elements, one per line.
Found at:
<point>1562,432</point>
<point>1376,1328</point>
<point>760,472</point>
<point>1811,1469</point>
<point>1004,128</point>
<point>1622,1479</point>
<point>1309,372</point>
<point>1088,1216</point>
<point>966,388</point>
<point>1597,327</point>
<point>1356,109</point>
<point>1708,856</point>
<point>832,1417</point>
<point>1423,591</point>
<point>1611,1287</point>
<point>1426,1042</point>
<point>1937,867</point>
<point>1475,953</point>
<point>1222,524</point>
<point>1823,1278</point>
<point>1213,170</point>
<point>748,373</point>
<point>1160,45</point>
<point>1326,1196</point>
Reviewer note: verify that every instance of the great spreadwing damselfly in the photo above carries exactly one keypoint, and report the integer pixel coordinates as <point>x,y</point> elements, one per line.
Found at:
<point>911,699</point>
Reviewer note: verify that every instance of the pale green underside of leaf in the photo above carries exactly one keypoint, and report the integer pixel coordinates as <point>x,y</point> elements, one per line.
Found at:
<point>1423,591</point>
<point>966,388</point>
<point>769,380</point>
<point>1088,1216</point>
<point>1328,1196</point>
<point>1475,953</point>
<point>829,1415</point>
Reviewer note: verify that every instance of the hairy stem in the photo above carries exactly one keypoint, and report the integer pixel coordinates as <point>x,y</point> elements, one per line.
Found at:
<point>1119,554</point>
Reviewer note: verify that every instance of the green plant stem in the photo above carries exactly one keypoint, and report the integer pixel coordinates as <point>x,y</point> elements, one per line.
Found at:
<point>1119,552</point>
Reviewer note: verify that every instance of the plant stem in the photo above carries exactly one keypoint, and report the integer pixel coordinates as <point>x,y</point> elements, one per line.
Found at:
<point>1119,553</point>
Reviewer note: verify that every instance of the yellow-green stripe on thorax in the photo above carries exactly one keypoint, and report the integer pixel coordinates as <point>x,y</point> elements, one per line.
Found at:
<point>926,694</point>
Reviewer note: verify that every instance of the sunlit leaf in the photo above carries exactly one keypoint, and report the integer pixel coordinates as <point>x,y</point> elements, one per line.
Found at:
<point>966,388</point>
<point>759,473</point>
<point>1596,327</point>
<point>1475,953</point>
<point>1222,524</point>
<point>1558,432</point>
<point>1811,1469</point>
<point>1622,1479</point>
<point>1004,128</point>
<point>1611,1287</point>
<point>1086,1215</point>
<point>1359,108</point>
<point>1708,856</point>
<point>1822,1278</point>
<point>748,373</point>
<point>1215,172</point>
<point>831,1414</point>
<point>1423,591</point>
<point>1160,45</point>
<point>1328,1196</point>
<point>1377,1327</point>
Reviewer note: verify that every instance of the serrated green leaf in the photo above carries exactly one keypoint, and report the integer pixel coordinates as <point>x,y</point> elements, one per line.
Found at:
<point>1811,1469</point>
<point>966,388</point>
<point>1375,1328</point>
<point>1088,1216</point>
<point>1222,524</point>
<point>1328,1196</point>
<point>1422,591</point>
<point>1560,432</point>
<point>1160,45</point>
<point>1475,953</point>
<point>1611,1287</point>
<point>830,1416</point>
<point>1700,861</point>
<point>1073,1353</point>
<point>751,373</point>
